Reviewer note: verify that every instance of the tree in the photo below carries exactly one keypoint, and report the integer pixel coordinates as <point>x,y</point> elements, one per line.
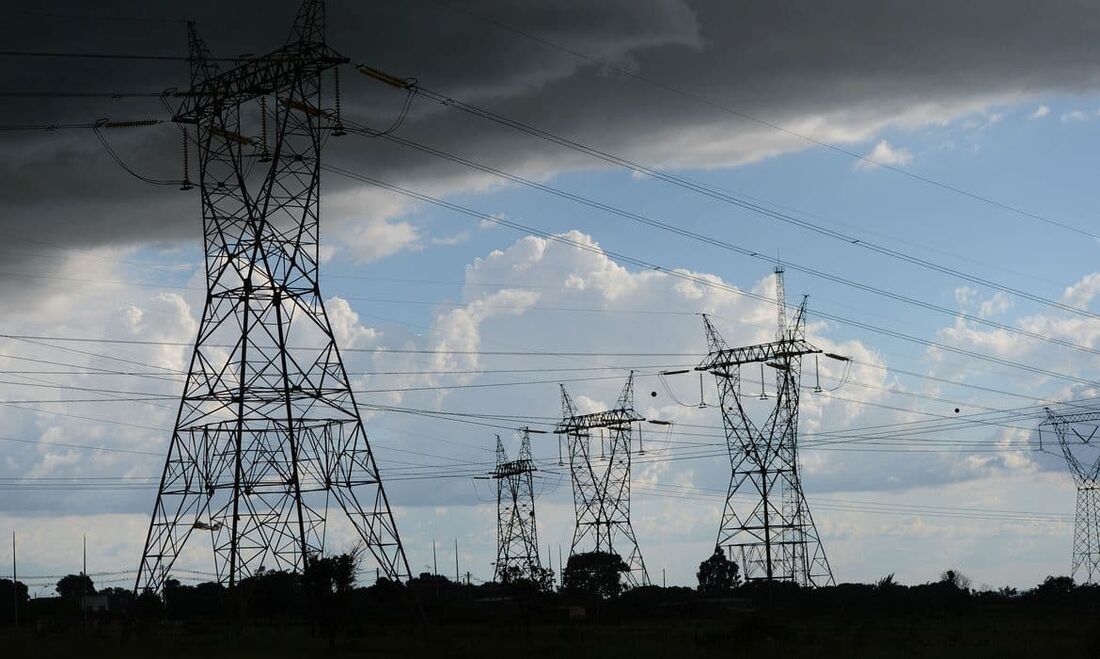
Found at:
<point>75,585</point>
<point>718,575</point>
<point>957,579</point>
<point>12,594</point>
<point>329,581</point>
<point>332,575</point>
<point>1055,587</point>
<point>594,574</point>
<point>539,579</point>
<point>204,600</point>
<point>269,593</point>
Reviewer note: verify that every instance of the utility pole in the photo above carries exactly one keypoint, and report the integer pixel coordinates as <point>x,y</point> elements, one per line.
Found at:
<point>601,493</point>
<point>458,576</point>
<point>435,562</point>
<point>84,582</point>
<point>517,539</point>
<point>1076,432</point>
<point>15,578</point>
<point>268,433</point>
<point>766,525</point>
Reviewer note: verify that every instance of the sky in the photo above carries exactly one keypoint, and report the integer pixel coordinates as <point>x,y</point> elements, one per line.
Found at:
<point>923,172</point>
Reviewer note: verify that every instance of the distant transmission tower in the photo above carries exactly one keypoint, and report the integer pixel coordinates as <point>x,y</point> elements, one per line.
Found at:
<point>1077,436</point>
<point>766,525</point>
<point>517,540</point>
<point>601,493</point>
<point>267,432</point>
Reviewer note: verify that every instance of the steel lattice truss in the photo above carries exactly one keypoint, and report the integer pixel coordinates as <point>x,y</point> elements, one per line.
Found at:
<point>601,497</point>
<point>517,539</point>
<point>766,523</point>
<point>1078,438</point>
<point>268,434</point>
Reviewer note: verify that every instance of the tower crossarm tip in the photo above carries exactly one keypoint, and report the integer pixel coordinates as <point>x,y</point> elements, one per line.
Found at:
<point>256,77</point>
<point>617,418</point>
<point>723,360</point>
<point>1055,418</point>
<point>514,468</point>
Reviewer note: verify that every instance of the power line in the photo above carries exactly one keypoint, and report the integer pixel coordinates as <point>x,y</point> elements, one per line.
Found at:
<point>108,449</point>
<point>693,278</point>
<point>113,56</point>
<point>479,385</point>
<point>98,17</point>
<point>866,385</point>
<point>110,373</point>
<point>512,353</point>
<point>46,127</point>
<point>352,127</point>
<point>701,494</point>
<point>716,242</point>
<point>537,307</point>
<point>114,95</point>
<point>768,124</point>
<point>894,391</point>
<point>717,194</point>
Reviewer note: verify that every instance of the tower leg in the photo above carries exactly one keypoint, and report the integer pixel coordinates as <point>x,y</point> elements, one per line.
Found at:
<point>1086,535</point>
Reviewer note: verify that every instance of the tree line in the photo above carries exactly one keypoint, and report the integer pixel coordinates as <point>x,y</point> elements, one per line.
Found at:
<point>327,596</point>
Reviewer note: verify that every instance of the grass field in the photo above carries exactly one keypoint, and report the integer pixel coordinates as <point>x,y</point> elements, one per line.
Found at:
<point>976,634</point>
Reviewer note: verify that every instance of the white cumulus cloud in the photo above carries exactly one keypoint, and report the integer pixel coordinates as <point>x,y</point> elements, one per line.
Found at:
<point>885,154</point>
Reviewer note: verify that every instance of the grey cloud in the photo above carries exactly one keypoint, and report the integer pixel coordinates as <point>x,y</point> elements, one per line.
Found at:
<point>838,71</point>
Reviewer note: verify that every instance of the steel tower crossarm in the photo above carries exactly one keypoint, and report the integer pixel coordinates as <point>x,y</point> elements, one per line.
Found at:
<point>258,77</point>
<point>1085,472</point>
<point>614,419</point>
<point>776,351</point>
<point>1065,420</point>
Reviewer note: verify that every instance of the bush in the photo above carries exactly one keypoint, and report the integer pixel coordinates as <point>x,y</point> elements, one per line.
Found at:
<point>718,575</point>
<point>595,575</point>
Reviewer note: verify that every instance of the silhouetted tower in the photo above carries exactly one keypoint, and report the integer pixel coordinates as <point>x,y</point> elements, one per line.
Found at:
<point>517,539</point>
<point>268,433</point>
<point>766,524</point>
<point>601,483</point>
<point>1077,436</point>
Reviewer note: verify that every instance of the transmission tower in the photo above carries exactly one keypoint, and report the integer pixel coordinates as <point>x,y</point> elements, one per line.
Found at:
<point>766,524</point>
<point>1077,436</point>
<point>601,496</point>
<point>268,433</point>
<point>517,539</point>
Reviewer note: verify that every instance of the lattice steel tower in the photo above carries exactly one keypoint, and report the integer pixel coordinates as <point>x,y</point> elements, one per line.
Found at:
<point>517,539</point>
<point>766,524</point>
<point>268,433</point>
<point>601,496</point>
<point>1077,437</point>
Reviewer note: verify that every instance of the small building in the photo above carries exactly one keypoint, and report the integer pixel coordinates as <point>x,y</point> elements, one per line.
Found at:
<point>95,603</point>
<point>571,612</point>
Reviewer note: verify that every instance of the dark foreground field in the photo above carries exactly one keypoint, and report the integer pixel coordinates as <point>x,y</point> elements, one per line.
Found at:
<point>281,614</point>
<point>976,634</point>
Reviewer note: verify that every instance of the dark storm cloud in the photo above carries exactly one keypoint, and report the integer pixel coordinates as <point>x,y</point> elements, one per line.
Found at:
<point>836,70</point>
